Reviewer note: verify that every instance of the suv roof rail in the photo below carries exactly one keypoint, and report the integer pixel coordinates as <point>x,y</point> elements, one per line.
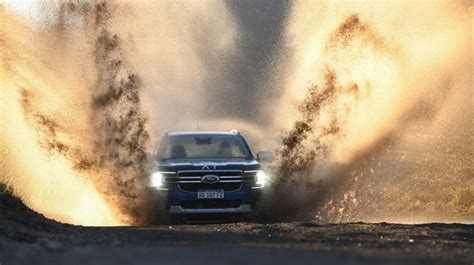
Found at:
<point>234,131</point>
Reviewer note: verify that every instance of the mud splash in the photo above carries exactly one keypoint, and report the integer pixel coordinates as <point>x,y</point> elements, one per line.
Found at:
<point>77,105</point>
<point>121,138</point>
<point>366,99</point>
<point>114,158</point>
<point>374,113</point>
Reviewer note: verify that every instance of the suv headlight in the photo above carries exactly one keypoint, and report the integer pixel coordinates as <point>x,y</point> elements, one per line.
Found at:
<point>261,179</point>
<point>157,180</point>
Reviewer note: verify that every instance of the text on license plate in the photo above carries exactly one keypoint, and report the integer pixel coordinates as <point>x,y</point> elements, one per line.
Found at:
<point>210,194</point>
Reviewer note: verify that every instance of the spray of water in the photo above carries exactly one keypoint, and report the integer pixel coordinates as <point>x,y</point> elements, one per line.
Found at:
<point>369,77</point>
<point>37,140</point>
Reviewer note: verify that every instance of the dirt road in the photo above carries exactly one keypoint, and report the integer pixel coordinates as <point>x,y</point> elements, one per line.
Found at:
<point>27,237</point>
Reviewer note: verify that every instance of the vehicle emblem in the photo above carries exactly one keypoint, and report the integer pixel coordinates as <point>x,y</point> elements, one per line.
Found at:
<point>209,179</point>
<point>205,167</point>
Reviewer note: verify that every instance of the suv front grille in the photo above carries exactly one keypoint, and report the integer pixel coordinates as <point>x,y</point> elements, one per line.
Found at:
<point>229,180</point>
<point>193,187</point>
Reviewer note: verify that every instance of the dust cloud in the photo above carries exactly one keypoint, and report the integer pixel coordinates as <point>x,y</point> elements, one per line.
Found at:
<point>368,105</point>
<point>382,95</point>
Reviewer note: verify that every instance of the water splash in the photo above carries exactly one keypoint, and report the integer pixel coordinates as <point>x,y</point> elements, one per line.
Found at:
<point>369,73</point>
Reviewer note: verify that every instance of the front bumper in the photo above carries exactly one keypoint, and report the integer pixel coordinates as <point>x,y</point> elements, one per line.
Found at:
<point>177,209</point>
<point>178,202</point>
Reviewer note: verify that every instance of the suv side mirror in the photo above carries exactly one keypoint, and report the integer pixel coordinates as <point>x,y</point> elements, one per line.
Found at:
<point>265,156</point>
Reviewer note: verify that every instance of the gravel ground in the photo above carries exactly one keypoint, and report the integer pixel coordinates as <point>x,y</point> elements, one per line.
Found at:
<point>27,237</point>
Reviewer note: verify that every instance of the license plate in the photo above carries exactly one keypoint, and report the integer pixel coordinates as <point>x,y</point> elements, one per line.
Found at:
<point>210,194</point>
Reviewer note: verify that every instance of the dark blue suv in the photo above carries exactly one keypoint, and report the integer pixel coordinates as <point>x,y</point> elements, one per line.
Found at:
<point>208,174</point>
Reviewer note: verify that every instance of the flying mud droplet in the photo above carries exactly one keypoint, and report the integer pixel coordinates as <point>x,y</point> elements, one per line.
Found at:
<point>120,124</point>
<point>50,133</point>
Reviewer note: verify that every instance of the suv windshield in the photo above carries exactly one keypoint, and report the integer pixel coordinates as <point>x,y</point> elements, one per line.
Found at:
<point>203,146</point>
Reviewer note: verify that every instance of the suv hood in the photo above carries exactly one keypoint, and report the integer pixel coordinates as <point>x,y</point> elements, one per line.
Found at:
<point>207,164</point>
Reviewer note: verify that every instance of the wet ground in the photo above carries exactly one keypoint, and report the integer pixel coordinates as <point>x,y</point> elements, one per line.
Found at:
<point>28,238</point>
